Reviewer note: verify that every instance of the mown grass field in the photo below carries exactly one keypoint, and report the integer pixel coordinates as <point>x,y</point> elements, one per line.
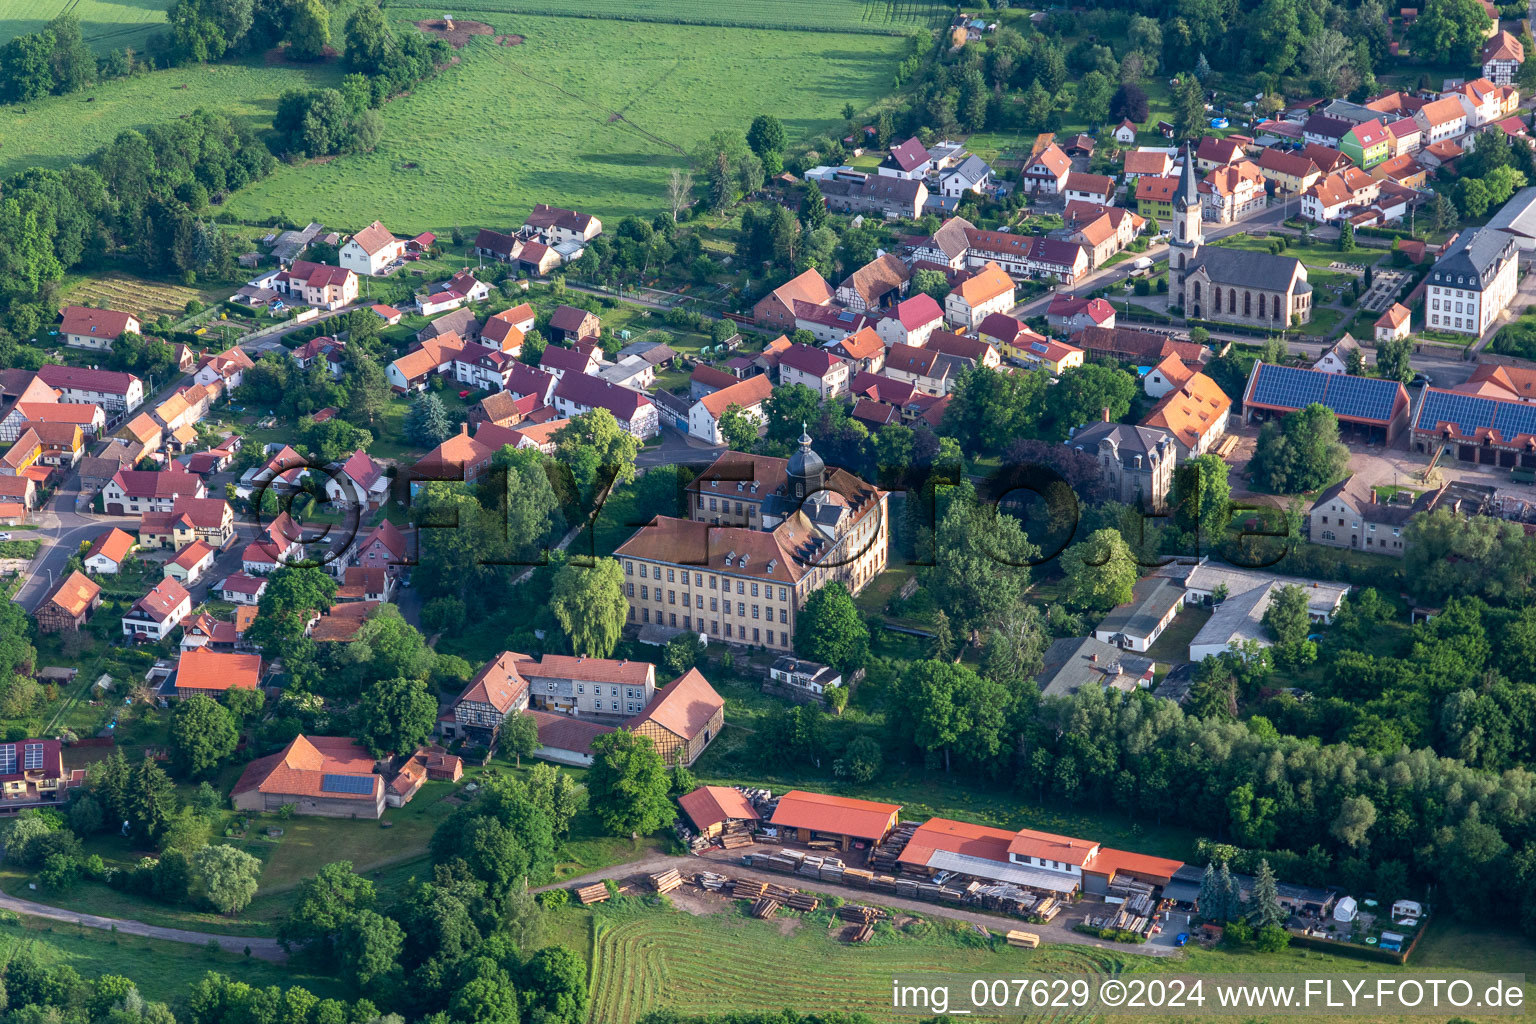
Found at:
<point>837,15</point>
<point>105,24</point>
<point>59,130</point>
<point>161,970</point>
<point>585,113</point>
<point>708,957</point>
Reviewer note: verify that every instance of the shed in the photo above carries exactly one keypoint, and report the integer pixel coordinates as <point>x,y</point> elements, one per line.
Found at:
<point>1345,910</point>
<point>844,820</point>
<point>711,808</point>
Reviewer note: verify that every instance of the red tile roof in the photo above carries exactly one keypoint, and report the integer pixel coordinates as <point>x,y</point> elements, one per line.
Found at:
<point>499,683</point>
<point>99,323</point>
<point>113,544</point>
<point>162,600</point>
<point>74,593</point>
<point>301,767</point>
<point>838,815</point>
<point>683,707</point>
<point>711,805</point>
<point>202,669</point>
<point>1048,846</point>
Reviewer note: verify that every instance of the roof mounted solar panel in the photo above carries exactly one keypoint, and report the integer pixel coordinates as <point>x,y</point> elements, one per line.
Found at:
<point>7,759</point>
<point>358,785</point>
<point>32,757</point>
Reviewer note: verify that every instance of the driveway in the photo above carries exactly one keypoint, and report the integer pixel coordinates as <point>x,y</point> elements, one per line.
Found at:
<point>266,949</point>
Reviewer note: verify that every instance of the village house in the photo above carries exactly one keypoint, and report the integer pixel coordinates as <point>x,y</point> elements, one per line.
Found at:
<point>1089,188</point>
<point>1213,152</point>
<point>190,563</point>
<point>1324,130</point>
<point>928,370</point>
<point>971,175</point>
<point>1401,170</point>
<point>578,393</point>
<point>1349,515</point>
<point>462,323</point>
<point>862,350</point>
<point>1339,195</point>
<point>1406,136</point>
<point>560,226</point>
<point>911,321</point>
<point>1046,172</point>
<point>1393,325</point>
<point>68,605</point>
<point>43,447</point>
<point>1291,173</point>
<point>1367,144</point>
<point>317,284</point>
<point>1136,463</point>
<point>32,774</point>
<point>870,193</point>
<point>144,432</point>
<point>108,552</point>
<point>114,391</point>
<point>1136,625</point>
<point>909,159</point>
<point>132,491</point>
<point>1336,357</point>
<point>371,251</point>
<point>1486,103</point>
<point>1167,375</point>
<point>1101,231</point>
<point>461,289</point>
<point>411,371</point>
<point>748,395</point>
<point>569,324</point>
<point>1196,414</point>
<point>326,776</point>
<point>777,308</point>
<point>946,248</point>
<point>154,616</point>
<point>1442,120</point>
<point>1501,58</point>
<point>202,670</point>
<point>970,351</point>
<point>1125,133</point>
<point>493,245</point>
<point>1145,163</point>
<point>1472,282</point>
<point>280,543</point>
<point>160,530</point>
<point>1071,313</point>
<point>816,368</point>
<point>1155,196</point>
<point>359,481</point>
<point>878,284</point>
<point>806,676</point>
<point>387,548</point>
<point>223,369</point>
<point>1232,191</point>
<point>989,291</point>
<point>241,588</point>
<point>498,690</point>
<point>88,327</point>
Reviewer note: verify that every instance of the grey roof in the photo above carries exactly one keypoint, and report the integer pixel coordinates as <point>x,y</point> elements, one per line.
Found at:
<point>1175,686</point>
<point>1151,598</point>
<point>1355,112</point>
<point>458,321</point>
<point>952,238</point>
<point>1189,190</point>
<point>1363,500</point>
<point>1518,216</point>
<point>653,352</point>
<point>971,170</point>
<point>1326,126</point>
<point>1070,666</point>
<point>1248,269</point>
<point>1237,619</point>
<point>1473,259</point>
<point>1322,597</point>
<point>1128,438</point>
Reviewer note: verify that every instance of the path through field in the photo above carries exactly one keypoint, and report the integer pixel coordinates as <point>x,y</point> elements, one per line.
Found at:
<point>266,949</point>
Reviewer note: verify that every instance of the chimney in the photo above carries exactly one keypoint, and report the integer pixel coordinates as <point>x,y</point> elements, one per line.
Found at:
<point>1093,658</point>
<point>1105,414</point>
<point>463,429</point>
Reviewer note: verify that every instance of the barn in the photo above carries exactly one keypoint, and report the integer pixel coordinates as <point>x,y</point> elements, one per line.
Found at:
<point>848,822</point>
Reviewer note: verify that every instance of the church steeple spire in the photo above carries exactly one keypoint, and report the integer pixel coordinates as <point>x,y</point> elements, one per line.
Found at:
<point>1189,190</point>
<point>1187,230</point>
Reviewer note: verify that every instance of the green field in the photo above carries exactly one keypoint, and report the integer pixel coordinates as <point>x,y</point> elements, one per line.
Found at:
<point>105,24</point>
<point>587,114</point>
<point>161,970</point>
<point>705,956</point>
<point>58,131</point>
<point>838,15</point>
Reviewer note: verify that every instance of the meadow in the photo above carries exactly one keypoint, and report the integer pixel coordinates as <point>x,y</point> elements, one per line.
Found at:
<point>60,130</point>
<point>836,15</point>
<point>105,24</point>
<point>706,956</point>
<point>585,113</point>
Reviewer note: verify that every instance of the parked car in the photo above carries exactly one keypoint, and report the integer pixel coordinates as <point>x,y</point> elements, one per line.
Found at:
<point>1421,380</point>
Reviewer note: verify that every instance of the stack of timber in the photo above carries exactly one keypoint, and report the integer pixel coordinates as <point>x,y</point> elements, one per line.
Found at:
<point>765,908</point>
<point>734,839</point>
<point>1028,940</point>
<point>747,889</point>
<point>1003,896</point>
<point>883,857</point>
<point>666,881</point>
<point>864,933</point>
<point>711,881</point>
<point>772,861</point>
<point>861,914</point>
<point>858,877</point>
<point>794,899</point>
<point>1047,908</point>
<point>589,894</point>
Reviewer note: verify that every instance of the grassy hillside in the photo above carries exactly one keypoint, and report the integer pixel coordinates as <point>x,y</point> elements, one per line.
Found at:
<point>59,130</point>
<point>586,113</point>
<point>105,24</point>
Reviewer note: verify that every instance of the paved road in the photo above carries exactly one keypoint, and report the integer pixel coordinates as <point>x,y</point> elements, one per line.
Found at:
<point>266,949</point>
<point>728,862</point>
<point>677,449</point>
<point>61,528</point>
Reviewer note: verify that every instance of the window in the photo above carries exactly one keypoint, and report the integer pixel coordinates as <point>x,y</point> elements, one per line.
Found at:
<point>712,504</point>
<point>784,616</point>
<point>645,592</point>
<point>741,609</point>
<point>629,568</point>
<point>714,604</point>
<point>783,596</point>
<point>629,589</point>
<point>671,576</point>
<point>671,597</point>
<point>740,587</point>
<point>754,590</point>
<point>615,705</point>
<point>642,570</point>
<point>698,579</point>
<point>581,688</point>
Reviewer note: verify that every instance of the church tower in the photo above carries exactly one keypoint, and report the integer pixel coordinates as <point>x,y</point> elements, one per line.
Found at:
<point>1188,231</point>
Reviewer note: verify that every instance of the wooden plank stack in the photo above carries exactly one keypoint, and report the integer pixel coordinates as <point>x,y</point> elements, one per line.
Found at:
<point>747,889</point>
<point>1027,940</point>
<point>858,877</point>
<point>666,881</point>
<point>735,840</point>
<point>589,894</point>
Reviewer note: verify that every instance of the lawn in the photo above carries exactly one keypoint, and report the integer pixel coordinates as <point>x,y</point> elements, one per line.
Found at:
<point>593,115</point>
<point>162,970</point>
<point>643,957</point>
<point>105,24</point>
<point>59,130</point>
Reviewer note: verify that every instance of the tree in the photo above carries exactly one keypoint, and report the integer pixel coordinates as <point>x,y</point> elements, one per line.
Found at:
<point>519,735</point>
<point>597,451</point>
<point>1202,499</point>
<point>1084,392</point>
<point>1189,109</point>
<point>861,762</point>
<point>1448,31</point>
<point>1130,103</point>
<point>395,716</point>
<point>1100,572</point>
<point>947,710</point>
<point>368,947</point>
<point>309,31</point>
<point>766,135</point>
<point>202,735</point>
<point>149,799</point>
<point>556,794</point>
<point>368,391</point>
<point>628,784</point>
<point>830,630</point>
<point>426,423</point>
<point>1392,360</point>
<point>1300,453</point>
<point>813,207</point>
<point>1265,909</point>
<point>73,63</point>
<point>737,429</point>
<point>1346,237</point>
<point>226,877</point>
<point>1325,55</point>
<point>1094,94</point>
<point>980,560</point>
<point>1288,620</point>
<point>932,283</point>
<point>557,979</point>
<point>1037,106</point>
<point>326,901</point>
<point>590,606</point>
<point>679,192</point>
<point>1213,899</point>
<point>1015,647</point>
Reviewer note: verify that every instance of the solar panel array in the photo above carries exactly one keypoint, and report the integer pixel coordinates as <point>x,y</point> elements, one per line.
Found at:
<point>1470,413</point>
<point>8,759</point>
<point>1359,398</point>
<point>32,757</point>
<point>360,785</point>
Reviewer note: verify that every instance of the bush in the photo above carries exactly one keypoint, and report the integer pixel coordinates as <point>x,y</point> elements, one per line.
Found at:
<point>552,898</point>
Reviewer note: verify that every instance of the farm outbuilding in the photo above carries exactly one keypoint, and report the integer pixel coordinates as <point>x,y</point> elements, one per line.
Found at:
<point>712,808</point>
<point>840,819</point>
